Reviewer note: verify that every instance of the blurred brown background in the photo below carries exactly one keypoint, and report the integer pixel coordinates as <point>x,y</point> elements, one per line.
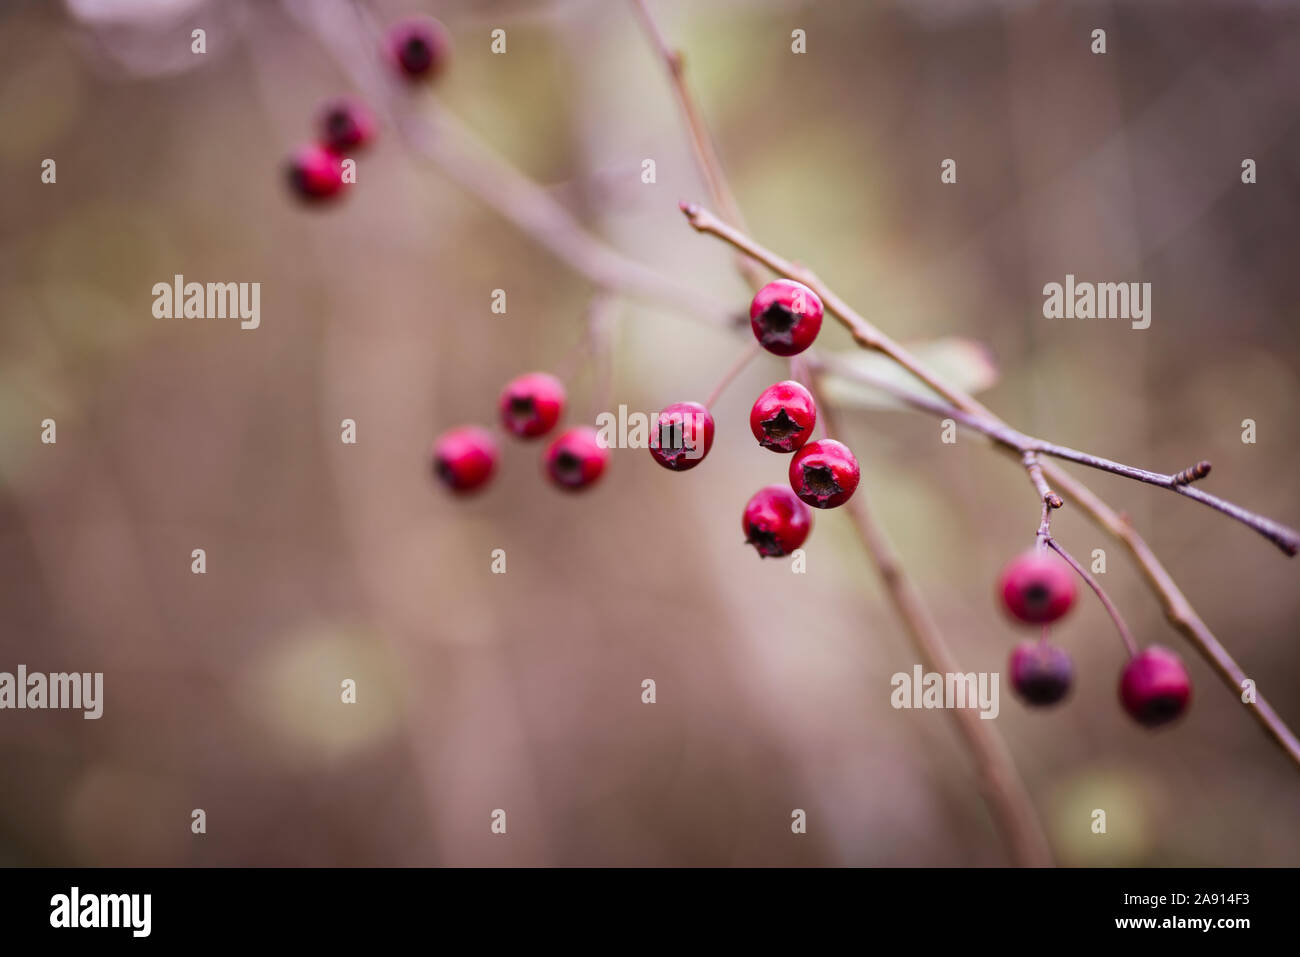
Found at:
<point>478,691</point>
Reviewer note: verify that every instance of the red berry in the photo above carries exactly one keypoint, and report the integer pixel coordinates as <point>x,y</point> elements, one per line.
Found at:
<point>1040,673</point>
<point>419,47</point>
<point>775,521</point>
<point>786,317</point>
<point>576,459</point>
<point>682,436</point>
<point>783,417</point>
<point>1037,587</point>
<point>531,404</point>
<point>315,173</point>
<point>1155,687</point>
<point>465,458</point>
<point>824,473</point>
<point>346,123</point>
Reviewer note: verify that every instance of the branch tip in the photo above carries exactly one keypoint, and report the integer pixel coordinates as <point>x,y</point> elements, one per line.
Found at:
<point>1189,475</point>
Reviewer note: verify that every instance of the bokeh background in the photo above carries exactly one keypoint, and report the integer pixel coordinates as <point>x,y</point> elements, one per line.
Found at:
<point>522,691</point>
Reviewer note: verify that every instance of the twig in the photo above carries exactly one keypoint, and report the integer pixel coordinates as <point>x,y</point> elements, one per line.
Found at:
<point>999,781</point>
<point>746,357</point>
<point>706,153</point>
<point>1109,605</point>
<point>1049,498</point>
<point>1178,610</point>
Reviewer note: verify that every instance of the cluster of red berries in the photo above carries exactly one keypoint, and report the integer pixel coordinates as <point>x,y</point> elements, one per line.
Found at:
<point>417,49</point>
<point>785,317</point>
<point>465,458</point>
<point>1038,588</point>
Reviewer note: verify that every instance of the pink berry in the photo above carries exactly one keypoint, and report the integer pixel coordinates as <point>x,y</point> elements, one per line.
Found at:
<point>1037,587</point>
<point>783,417</point>
<point>824,473</point>
<point>1154,687</point>
<point>465,458</point>
<point>531,404</point>
<point>419,47</point>
<point>345,124</point>
<point>576,459</point>
<point>786,317</point>
<point>315,173</point>
<point>775,522</point>
<point>683,436</point>
<point>1041,673</point>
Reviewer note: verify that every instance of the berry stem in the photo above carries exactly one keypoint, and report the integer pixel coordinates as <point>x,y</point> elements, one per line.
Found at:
<point>1109,605</point>
<point>801,372</point>
<point>737,367</point>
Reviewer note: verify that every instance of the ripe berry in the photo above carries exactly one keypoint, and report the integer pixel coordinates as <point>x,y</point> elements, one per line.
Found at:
<point>1040,673</point>
<point>465,458</point>
<point>683,436</point>
<point>783,417</point>
<point>775,521</point>
<point>531,404</point>
<point>824,473</point>
<point>1155,687</point>
<point>576,459</point>
<point>315,173</point>
<point>419,47</point>
<point>346,123</point>
<point>1037,587</point>
<point>786,317</point>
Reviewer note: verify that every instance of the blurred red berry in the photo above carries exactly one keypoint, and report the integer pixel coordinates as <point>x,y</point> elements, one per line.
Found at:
<point>775,522</point>
<point>1155,687</point>
<point>1037,587</point>
<point>531,404</point>
<point>315,173</point>
<point>465,458</point>
<point>1041,673</point>
<point>783,417</point>
<point>824,473</point>
<point>345,124</point>
<point>576,459</point>
<point>683,436</point>
<point>419,47</point>
<point>786,317</point>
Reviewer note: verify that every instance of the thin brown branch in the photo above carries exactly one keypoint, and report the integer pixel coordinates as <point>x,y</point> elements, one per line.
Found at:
<point>751,352</point>
<point>706,153</point>
<point>863,332</point>
<point>1035,471</point>
<point>999,781</point>
<point>1124,633</point>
